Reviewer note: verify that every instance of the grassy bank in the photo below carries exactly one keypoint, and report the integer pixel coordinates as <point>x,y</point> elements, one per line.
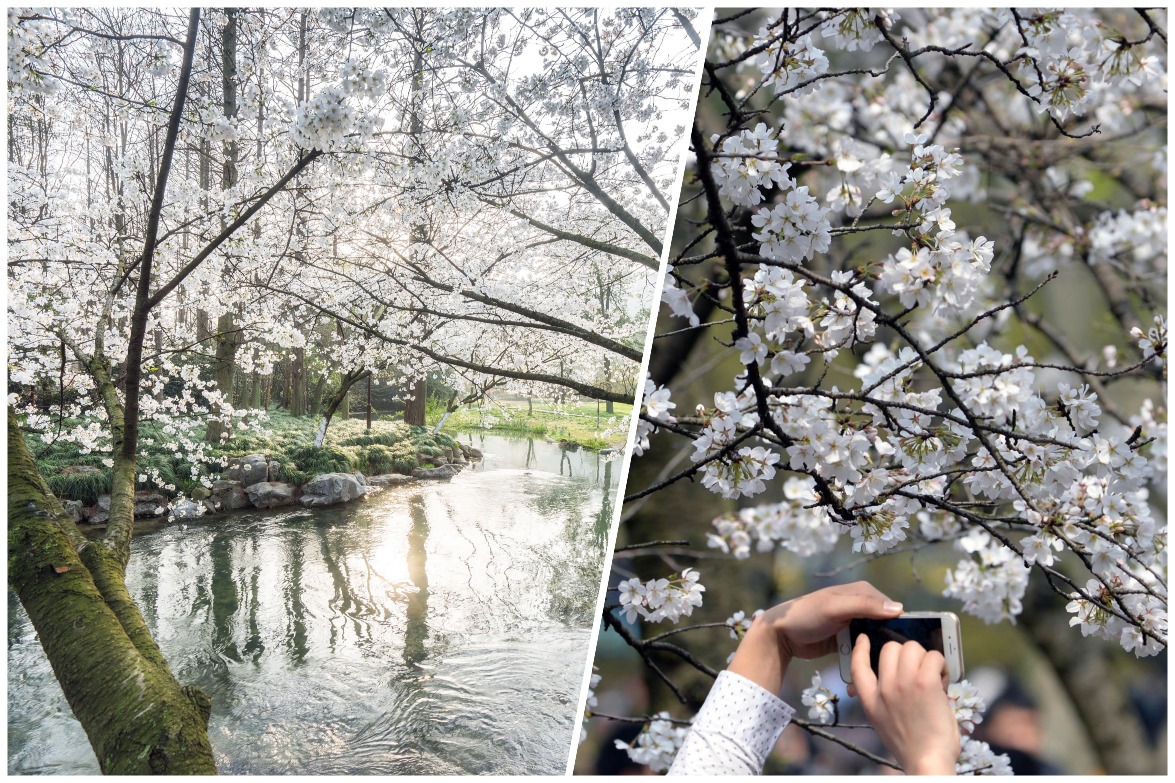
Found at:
<point>568,423</point>
<point>389,447</point>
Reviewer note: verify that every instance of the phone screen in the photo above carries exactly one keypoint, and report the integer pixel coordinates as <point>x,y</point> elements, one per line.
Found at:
<point>927,631</point>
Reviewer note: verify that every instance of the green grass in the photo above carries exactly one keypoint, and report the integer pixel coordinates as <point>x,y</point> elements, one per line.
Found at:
<point>389,447</point>
<point>569,423</point>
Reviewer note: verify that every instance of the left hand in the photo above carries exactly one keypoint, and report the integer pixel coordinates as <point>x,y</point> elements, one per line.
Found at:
<point>805,627</point>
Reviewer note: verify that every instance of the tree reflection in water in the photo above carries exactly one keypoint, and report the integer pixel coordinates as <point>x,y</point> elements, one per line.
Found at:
<point>416,633</point>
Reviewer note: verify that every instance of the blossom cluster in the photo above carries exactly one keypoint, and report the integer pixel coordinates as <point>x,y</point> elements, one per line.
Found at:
<point>822,703</point>
<point>661,599</point>
<point>657,744</point>
<point>656,405</point>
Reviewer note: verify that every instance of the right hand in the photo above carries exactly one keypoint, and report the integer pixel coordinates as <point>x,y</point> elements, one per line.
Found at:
<point>908,706</point>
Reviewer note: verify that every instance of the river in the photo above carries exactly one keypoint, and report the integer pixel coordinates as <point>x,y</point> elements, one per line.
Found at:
<point>431,628</point>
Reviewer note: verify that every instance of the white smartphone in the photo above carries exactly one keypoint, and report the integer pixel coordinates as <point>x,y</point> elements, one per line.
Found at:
<point>933,630</point>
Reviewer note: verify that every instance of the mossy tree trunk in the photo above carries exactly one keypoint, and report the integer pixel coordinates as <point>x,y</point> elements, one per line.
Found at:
<point>138,718</point>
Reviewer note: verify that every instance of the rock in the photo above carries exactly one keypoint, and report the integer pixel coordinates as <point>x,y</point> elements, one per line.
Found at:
<point>229,495</point>
<point>104,502</point>
<point>423,459</point>
<point>458,456</point>
<point>390,479</point>
<point>201,493</point>
<point>361,479</point>
<point>150,504</point>
<point>210,506</point>
<point>328,489</point>
<point>96,515</point>
<point>274,469</point>
<point>443,472</point>
<point>186,509</point>
<point>248,470</point>
<point>472,454</point>
<point>271,494</point>
<point>79,470</point>
<point>74,508</point>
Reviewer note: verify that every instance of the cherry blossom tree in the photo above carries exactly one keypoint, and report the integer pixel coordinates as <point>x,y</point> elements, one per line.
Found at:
<point>224,184</point>
<point>885,214</point>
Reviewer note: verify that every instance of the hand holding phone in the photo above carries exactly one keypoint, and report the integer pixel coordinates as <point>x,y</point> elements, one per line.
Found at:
<point>932,630</point>
<point>906,702</point>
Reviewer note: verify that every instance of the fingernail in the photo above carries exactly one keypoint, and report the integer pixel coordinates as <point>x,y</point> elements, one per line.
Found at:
<point>892,606</point>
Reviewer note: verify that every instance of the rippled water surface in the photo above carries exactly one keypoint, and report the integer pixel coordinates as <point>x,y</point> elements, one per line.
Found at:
<point>435,628</point>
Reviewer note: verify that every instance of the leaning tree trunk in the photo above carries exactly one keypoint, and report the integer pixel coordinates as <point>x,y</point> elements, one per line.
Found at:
<point>138,718</point>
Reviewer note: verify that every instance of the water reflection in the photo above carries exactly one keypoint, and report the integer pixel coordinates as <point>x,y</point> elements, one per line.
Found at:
<point>416,633</point>
<point>434,628</point>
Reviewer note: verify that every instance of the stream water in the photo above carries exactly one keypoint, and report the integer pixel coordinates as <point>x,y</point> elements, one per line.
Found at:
<point>431,628</point>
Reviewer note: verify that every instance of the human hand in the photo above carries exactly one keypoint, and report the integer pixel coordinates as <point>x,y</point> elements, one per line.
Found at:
<point>805,627</point>
<point>907,704</point>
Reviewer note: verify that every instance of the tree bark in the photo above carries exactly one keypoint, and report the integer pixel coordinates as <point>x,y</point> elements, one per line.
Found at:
<point>137,716</point>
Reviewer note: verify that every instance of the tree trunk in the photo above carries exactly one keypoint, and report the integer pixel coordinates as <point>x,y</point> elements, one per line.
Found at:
<point>414,409</point>
<point>337,400</point>
<point>138,718</point>
<point>316,395</point>
<point>227,337</point>
<point>1098,695</point>
<point>298,383</point>
<point>255,391</point>
<point>226,368</point>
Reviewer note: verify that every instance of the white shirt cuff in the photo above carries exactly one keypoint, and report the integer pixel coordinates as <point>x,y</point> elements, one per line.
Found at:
<point>734,731</point>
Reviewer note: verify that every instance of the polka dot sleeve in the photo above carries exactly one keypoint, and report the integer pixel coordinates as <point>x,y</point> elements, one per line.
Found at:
<point>734,731</point>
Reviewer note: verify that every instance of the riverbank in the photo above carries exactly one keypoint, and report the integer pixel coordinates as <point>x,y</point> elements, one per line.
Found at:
<point>174,462</point>
<point>586,425</point>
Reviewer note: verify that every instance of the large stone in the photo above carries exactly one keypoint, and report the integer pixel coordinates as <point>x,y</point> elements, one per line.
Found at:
<point>442,472</point>
<point>96,515</point>
<point>74,508</point>
<point>150,504</point>
<point>229,496</point>
<point>271,494</point>
<point>328,489</point>
<point>248,470</point>
<point>104,502</point>
<point>471,453</point>
<point>186,509</point>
